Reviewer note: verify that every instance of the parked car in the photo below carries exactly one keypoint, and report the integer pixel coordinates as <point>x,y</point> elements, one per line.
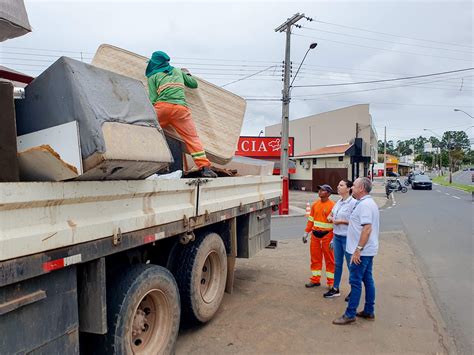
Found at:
<point>421,182</point>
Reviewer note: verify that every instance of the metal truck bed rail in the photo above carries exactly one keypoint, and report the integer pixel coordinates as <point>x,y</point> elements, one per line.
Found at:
<point>37,217</point>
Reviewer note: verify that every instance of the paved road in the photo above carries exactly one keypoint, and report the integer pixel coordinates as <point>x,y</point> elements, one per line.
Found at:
<point>439,226</point>
<point>463,177</point>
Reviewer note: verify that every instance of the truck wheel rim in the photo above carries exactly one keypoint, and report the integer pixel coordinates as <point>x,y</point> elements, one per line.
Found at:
<point>151,324</point>
<point>210,277</point>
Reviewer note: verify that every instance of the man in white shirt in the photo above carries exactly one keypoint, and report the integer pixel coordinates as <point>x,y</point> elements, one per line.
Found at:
<point>362,245</point>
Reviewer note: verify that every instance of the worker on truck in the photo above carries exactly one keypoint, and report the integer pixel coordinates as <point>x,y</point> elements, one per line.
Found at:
<point>166,89</point>
<point>321,236</point>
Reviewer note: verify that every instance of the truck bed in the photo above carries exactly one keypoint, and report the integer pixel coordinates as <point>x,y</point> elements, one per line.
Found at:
<point>41,216</point>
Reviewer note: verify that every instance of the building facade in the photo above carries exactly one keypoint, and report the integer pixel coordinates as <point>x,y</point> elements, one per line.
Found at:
<point>331,145</point>
<point>333,127</point>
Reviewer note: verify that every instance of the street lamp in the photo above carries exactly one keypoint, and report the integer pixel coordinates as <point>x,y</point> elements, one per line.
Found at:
<point>449,153</point>
<point>311,46</point>
<point>260,133</point>
<point>285,122</point>
<point>458,110</point>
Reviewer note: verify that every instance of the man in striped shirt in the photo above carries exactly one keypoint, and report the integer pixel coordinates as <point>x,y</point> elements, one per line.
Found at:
<point>166,89</point>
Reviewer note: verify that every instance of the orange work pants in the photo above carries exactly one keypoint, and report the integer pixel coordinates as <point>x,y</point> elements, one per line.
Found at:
<point>179,117</point>
<point>320,247</point>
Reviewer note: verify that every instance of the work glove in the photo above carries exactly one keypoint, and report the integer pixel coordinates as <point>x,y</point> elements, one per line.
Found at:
<point>305,238</point>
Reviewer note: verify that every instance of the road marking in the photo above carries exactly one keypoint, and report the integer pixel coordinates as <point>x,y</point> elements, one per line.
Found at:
<point>447,194</point>
<point>457,197</point>
<point>438,190</point>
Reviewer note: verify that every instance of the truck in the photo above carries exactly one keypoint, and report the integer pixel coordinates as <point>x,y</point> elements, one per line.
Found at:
<point>114,267</point>
<point>102,267</point>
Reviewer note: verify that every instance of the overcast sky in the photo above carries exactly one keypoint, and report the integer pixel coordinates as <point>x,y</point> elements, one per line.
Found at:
<point>225,41</point>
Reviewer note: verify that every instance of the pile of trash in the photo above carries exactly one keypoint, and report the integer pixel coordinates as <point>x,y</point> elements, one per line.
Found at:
<point>79,121</point>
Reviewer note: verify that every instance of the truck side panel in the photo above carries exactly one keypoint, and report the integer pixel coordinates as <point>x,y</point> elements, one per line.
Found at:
<point>221,194</point>
<point>253,232</point>
<point>37,217</point>
<point>48,320</point>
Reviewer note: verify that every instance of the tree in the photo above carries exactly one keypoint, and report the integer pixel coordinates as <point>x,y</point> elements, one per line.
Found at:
<point>457,156</point>
<point>403,147</point>
<point>469,158</point>
<point>390,147</point>
<point>426,158</point>
<point>457,146</point>
<point>455,140</point>
<point>420,144</point>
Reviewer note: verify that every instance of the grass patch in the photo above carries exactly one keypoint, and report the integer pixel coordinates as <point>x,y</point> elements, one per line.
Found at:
<point>442,180</point>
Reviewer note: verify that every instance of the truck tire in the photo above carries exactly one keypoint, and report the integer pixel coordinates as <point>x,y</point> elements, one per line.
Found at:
<point>201,277</point>
<point>143,313</point>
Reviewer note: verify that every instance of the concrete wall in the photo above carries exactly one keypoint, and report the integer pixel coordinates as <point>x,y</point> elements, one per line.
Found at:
<point>330,128</point>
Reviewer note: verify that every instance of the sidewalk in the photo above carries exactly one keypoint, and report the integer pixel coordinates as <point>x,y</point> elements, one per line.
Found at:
<point>299,199</point>
<point>272,312</point>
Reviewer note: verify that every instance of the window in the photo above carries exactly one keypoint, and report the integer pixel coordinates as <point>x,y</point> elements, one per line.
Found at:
<point>315,161</point>
<point>341,158</point>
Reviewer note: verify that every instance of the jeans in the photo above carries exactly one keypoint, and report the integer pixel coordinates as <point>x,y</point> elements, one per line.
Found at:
<point>358,274</point>
<point>339,246</point>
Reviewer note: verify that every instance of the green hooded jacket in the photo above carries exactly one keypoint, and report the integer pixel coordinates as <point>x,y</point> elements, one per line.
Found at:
<point>169,87</point>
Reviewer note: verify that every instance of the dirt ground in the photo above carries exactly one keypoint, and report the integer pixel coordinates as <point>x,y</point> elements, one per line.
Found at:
<point>271,311</point>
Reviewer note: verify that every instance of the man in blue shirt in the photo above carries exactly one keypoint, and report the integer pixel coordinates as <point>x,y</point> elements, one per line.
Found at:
<point>362,245</point>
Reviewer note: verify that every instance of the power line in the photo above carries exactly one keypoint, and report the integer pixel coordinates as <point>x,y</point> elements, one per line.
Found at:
<point>44,55</point>
<point>228,71</point>
<point>248,76</point>
<point>392,35</point>
<point>382,49</point>
<point>372,89</point>
<point>340,76</point>
<point>387,80</point>
<point>417,129</point>
<point>371,103</point>
<point>385,41</point>
<point>46,50</point>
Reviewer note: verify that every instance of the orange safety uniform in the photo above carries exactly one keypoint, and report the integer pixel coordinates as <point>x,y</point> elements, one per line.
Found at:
<point>317,221</point>
<point>179,117</point>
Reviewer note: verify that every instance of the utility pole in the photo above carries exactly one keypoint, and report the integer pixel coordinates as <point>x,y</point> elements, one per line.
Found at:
<point>449,159</point>
<point>285,125</point>
<point>385,155</point>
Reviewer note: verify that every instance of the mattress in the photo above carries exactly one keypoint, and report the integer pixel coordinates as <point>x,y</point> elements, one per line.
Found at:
<point>217,113</point>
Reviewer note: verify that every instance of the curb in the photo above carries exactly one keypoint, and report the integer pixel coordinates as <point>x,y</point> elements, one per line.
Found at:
<point>287,215</point>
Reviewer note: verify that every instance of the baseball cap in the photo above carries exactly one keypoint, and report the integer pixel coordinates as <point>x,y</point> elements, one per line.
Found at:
<point>325,187</point>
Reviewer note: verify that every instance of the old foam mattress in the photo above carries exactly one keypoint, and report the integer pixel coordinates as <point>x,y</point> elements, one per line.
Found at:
<point>218,113</point>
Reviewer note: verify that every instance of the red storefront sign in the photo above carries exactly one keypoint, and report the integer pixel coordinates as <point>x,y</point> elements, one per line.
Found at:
<point>262,147</point>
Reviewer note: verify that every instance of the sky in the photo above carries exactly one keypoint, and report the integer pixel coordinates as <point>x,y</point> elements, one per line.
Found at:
<point>225,42</point>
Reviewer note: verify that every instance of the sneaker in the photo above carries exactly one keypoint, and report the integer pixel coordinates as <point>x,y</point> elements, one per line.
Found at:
<point>206,172</point>
<point>364,315</point>
<point>347,297</point>
<point>344,320</point>
<point>333,292</point>
<point>312,284</point>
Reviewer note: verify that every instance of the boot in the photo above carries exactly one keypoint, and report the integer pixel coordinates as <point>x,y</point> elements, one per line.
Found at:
<point>206,172</point>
